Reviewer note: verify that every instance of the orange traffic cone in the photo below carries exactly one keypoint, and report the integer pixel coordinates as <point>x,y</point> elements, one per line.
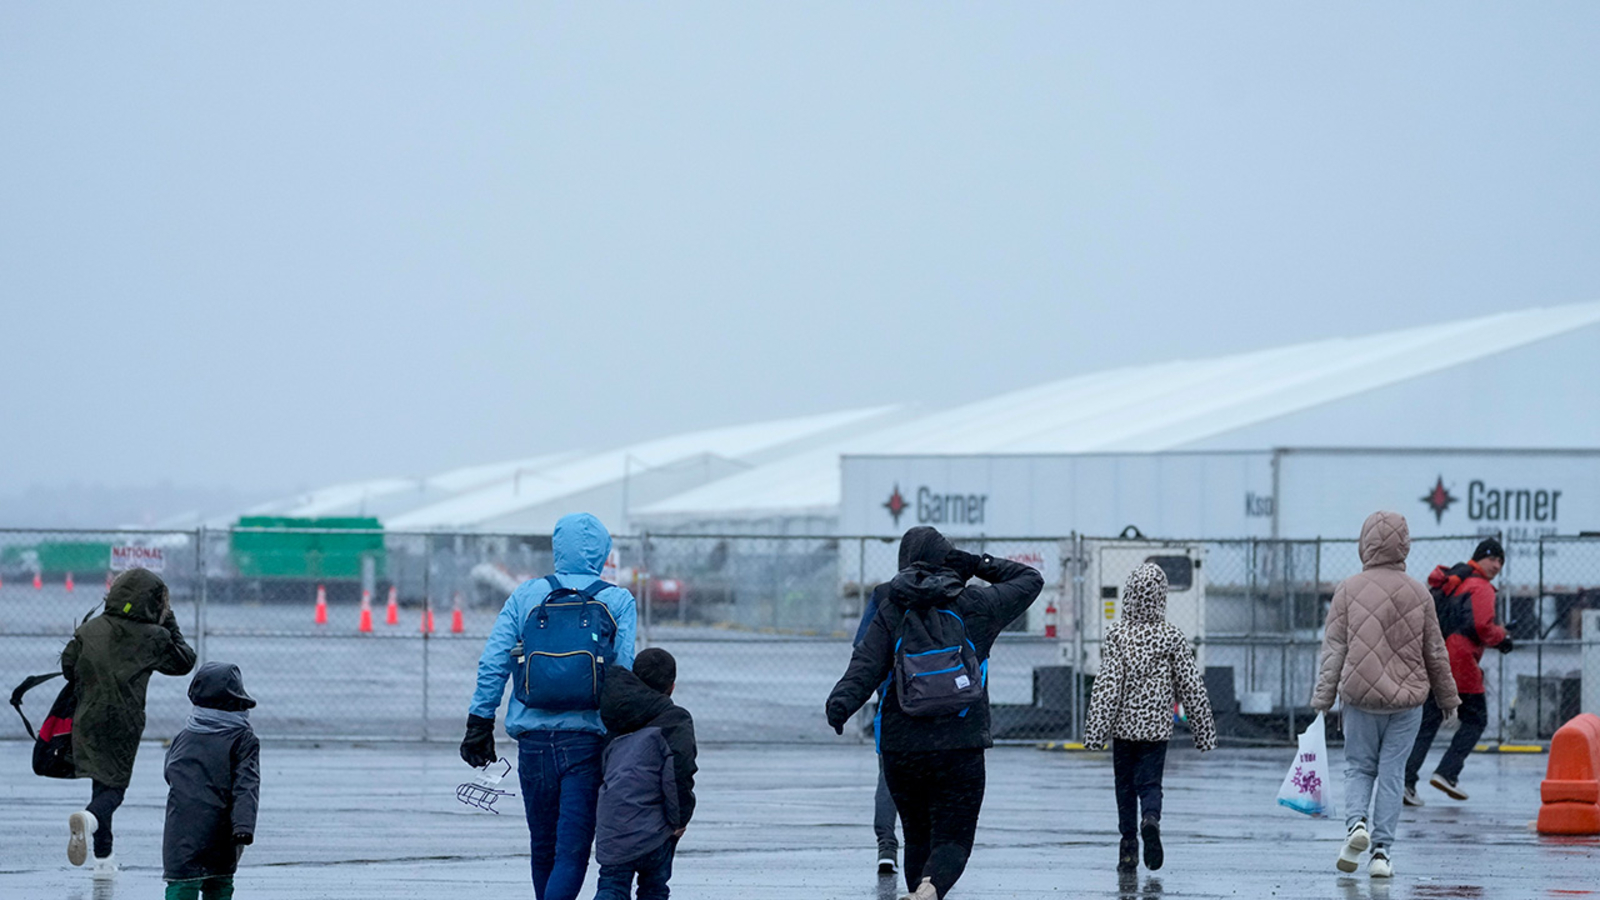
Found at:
<point>427,618</point>
<point>366,613</point>
<point>70,586</point>
<point>392,615</point>
<point>38,583</point>
<point>321,617</point>
<point>458,622</point>
<point>1571,788</point>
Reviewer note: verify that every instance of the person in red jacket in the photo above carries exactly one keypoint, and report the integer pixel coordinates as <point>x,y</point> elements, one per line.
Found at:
<point>1473,628</point>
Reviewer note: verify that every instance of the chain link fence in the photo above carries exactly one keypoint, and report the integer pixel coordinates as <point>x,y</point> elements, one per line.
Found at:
<point>362,633</point>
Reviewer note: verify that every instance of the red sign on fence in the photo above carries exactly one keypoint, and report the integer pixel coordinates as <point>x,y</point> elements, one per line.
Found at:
<point>124,558</point>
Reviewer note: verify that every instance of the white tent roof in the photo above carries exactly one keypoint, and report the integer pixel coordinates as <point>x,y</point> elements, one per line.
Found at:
<point>1139,409</point>
<point>373,497</point>
<point>535,487</point>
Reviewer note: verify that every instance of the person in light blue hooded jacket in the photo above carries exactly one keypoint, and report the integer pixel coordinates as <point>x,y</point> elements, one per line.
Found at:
<point>558,757</point>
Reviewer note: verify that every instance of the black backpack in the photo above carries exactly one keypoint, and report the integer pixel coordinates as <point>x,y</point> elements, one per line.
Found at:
<point>52,744</point>
<point>937,671</point>
<point>1454,607</point>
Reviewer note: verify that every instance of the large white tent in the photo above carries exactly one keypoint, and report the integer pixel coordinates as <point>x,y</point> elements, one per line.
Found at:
<point>1517,379</point>
<point>1520,379</point>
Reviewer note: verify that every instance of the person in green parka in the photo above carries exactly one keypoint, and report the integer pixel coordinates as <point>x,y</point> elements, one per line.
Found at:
<point>109,661</point>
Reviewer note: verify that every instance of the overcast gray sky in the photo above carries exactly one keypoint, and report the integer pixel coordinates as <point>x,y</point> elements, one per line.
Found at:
<point>276,246</point>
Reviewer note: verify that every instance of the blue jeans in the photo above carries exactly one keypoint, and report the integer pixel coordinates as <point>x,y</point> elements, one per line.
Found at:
<point>560,774</point>
<point>654,869</point>
<point>1137,767</point>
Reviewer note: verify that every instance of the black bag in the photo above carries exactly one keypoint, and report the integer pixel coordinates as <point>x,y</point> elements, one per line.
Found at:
<point>936,667</point>
<point>52,744</point>
<point>1454,607</point>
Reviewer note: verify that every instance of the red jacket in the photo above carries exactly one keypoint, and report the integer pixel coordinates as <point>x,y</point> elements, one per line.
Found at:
<point>1466,650</point>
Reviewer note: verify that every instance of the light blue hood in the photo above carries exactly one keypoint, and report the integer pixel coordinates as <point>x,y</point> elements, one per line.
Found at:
<point>580,544</point>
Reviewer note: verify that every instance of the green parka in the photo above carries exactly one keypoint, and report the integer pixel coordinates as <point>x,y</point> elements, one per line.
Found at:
<point>110,659</point>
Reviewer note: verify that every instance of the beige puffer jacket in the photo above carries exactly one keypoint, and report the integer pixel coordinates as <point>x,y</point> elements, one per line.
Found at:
<point>1147,665</point>
<point>1383,650</point>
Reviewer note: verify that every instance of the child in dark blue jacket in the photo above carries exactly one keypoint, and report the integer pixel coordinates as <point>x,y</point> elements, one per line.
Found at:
<point>214,787</point>
<point>647,797</point>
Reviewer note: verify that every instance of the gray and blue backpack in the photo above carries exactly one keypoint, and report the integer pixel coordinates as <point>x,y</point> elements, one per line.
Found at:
<point>567,641</point>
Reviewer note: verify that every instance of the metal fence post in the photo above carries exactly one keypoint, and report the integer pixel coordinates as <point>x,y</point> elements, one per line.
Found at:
<point>649,595</point>
<point>1538,656</point>
<point>1078,566</point>
<point>861,577</point>
<point>427,606</point>
<point>200,595</point>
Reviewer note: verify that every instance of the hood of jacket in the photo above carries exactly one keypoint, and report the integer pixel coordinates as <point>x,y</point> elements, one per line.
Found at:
<point>220,685</point>
<point>580,545</point>
<point>1385,541</point>
<point>138,594</point>
<point>923,544</point>
<point>922,586</point>
<point>1144,595</point>
<point>629,704</point>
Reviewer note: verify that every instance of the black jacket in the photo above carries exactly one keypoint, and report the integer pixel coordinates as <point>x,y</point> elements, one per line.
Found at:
<point>629,705</point>
<point>213,777</point>
<point>921,585</point>
<point>109,660</point>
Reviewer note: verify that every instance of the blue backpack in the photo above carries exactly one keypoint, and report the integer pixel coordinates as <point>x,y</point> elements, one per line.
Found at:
<point>567,641</point>
<point>936,667</point>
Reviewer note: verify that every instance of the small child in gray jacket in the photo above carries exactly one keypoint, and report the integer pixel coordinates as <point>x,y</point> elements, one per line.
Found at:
<point>647,797</point>
<point>214,785</point>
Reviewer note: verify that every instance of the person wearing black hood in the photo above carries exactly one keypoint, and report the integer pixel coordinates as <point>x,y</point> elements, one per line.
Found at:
<point>109,661</point>
<point>934,764</point>
<point>214,788</point>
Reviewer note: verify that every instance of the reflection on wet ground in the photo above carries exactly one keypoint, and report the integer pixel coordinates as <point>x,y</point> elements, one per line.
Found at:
<point>777,823</point>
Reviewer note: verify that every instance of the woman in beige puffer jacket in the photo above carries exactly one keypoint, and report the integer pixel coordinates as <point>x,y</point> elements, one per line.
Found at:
<point>1382,653</point>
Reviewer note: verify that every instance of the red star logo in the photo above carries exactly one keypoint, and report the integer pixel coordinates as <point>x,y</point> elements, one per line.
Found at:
<point>896,505</point>
<point>1439,499</point>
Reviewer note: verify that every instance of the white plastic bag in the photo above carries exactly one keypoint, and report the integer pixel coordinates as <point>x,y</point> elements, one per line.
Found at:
<point>1308,788</point>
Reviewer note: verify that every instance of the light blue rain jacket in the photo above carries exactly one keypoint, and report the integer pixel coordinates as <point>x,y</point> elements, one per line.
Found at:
<point>581,545</point>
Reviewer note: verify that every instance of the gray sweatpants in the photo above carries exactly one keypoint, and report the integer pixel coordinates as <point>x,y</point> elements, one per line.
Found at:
<point>1376,745</point>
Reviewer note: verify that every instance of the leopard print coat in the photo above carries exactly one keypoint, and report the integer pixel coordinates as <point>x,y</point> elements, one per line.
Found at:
<point>1146,664</point>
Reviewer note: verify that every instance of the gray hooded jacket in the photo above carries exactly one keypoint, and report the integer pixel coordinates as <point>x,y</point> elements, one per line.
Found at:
<point>213,777</point>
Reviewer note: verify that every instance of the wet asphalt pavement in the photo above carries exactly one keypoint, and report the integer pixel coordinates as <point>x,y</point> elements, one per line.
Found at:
<point>381,821</point>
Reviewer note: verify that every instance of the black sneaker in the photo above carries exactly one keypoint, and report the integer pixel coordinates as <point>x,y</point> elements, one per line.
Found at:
<point>886,865</point>
<point>1128,855</point>
<point>1150,830</point>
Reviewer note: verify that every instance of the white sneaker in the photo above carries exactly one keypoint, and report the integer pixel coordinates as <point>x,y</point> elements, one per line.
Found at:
<point>1410,798</point>
<point>1379,866</point>
<point>83,826</point>
<point>924,891</point>
<point>1355,843</point>
<point>1448,786</point>
<point>105,867</point>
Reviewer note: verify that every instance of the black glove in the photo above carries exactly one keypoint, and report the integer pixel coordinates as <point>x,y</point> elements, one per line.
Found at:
<point>838,715</point>
<point>1505,644</point>
<point>964,564</point>
<point>477,748</point>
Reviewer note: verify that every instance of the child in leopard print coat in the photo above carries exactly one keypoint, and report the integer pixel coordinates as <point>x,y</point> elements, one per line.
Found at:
<point>1146,663</point>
